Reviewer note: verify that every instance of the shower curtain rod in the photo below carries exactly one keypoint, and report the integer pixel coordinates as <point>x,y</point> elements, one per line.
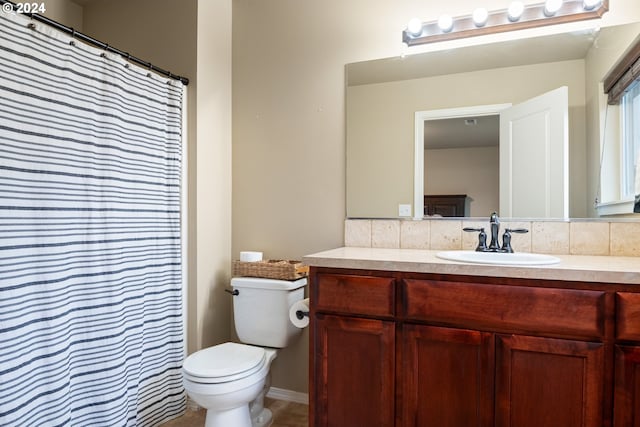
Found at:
<point>98,43</point>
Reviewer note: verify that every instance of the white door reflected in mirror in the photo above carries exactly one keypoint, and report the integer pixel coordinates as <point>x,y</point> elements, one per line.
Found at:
<point>534,137</point>
<point>533,151</point>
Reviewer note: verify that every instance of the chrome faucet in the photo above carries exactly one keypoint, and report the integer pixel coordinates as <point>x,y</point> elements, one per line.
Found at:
<point>494,246</point>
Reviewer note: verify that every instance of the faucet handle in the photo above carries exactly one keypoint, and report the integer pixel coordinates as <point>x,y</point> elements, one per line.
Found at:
<point>506,238</point>
<point>516,230</point>
<point>482,238</point>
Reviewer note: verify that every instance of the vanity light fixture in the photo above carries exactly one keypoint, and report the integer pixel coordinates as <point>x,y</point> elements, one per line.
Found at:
<point>480,16</point>
<point>515,10</point>
<point>551,7</point>
<point>445,23</point>
<point>415,27</point>
<point>591,4</point>
<point>517,17</point>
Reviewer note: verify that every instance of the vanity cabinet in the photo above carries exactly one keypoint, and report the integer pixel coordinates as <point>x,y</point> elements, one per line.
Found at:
<point>627,361</point>
<point>356,375</point>
<point>354,351</point>
<point>419,349</point>
<point>447,377</point>
<point>537,362</point>
<point>627,386</point>
<point>548,382</point>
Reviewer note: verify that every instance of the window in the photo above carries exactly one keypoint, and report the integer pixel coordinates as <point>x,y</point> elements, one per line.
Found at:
<point>621,191</point>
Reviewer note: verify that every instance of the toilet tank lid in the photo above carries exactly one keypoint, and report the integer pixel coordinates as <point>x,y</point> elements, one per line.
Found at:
<point>261,283</point>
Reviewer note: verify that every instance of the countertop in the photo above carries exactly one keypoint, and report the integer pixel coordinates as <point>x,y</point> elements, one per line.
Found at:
<point>599,269</point>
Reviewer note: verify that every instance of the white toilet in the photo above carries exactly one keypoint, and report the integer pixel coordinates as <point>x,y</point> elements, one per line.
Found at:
<point>230,380</point>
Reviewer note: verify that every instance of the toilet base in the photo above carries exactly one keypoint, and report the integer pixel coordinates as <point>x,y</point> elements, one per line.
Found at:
<point>233,417</point>
<point>261,416</point>
<point>239,417</point>
<point>264,419</point>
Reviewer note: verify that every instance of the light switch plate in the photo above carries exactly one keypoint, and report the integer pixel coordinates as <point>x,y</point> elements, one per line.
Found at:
<point>404,210</point>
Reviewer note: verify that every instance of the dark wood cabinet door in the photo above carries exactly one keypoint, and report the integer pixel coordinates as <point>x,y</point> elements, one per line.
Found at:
<point>447,377</point>
<point>628,316</point>
<point>626,404</point>
<point>354,371</point>
<point>544,382</point>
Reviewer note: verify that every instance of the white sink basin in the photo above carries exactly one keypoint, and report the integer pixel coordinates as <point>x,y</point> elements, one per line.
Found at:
<point>518,258</point>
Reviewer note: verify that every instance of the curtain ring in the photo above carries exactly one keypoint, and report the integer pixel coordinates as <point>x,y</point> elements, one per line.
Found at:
<point>73,36</point>
<point>127,65</point>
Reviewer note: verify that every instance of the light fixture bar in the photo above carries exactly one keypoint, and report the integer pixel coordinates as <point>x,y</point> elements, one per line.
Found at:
<point>499,21</point>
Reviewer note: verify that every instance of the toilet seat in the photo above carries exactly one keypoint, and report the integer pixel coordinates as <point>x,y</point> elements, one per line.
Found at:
<point>223,363</point>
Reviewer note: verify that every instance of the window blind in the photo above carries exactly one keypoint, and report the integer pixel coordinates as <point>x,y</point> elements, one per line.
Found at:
<point>623,74</point>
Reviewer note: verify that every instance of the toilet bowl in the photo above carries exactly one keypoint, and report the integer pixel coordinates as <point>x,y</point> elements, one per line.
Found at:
<point>230,380</point>
<point>225,378</point>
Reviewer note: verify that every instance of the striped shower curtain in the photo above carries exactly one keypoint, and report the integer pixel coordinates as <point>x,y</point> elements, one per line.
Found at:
<point>90,268</point>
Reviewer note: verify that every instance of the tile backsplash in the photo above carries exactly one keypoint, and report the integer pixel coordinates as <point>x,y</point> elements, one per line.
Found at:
<point>575,237</point>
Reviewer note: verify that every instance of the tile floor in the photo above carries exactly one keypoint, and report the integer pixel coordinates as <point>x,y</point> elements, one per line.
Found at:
<point>285,414</point>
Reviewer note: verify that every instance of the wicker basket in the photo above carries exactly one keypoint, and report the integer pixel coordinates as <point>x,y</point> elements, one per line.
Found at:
<point>271,269</point>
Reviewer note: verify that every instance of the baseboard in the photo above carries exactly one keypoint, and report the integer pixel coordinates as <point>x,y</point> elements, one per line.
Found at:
<point>288,395</point>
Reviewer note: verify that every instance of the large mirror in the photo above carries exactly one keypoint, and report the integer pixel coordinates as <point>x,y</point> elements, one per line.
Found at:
<point>390,101</point>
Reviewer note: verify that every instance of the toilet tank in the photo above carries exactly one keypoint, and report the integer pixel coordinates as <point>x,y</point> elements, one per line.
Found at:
<point>261,310</point>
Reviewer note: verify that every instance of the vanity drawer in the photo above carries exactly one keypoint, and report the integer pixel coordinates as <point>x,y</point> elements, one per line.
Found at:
<point>565,312</point>
<point>364,295</point>
<point>628,316</point>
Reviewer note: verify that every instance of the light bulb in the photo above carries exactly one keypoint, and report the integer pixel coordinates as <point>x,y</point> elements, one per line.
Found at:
<point>591,4</point>
<point>445,22</point>
<point>552,6</point>
<point>414,27</point>
<point>480,16</point>
<point>515,10</point>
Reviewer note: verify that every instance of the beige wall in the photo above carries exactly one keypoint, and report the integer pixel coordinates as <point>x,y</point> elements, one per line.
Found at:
<point>213,173</point>
<point>380,127</point>
<point>474,172</point>
<point>65,12</point>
